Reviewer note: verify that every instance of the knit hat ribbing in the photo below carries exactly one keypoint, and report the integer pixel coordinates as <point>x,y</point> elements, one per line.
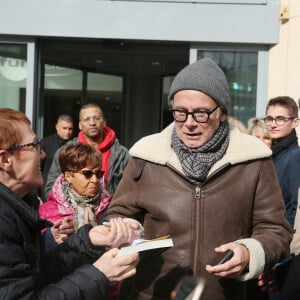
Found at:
<point>206,76</point>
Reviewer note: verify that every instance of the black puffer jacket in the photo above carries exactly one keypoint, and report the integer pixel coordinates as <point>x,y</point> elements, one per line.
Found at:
<point>65,273</point>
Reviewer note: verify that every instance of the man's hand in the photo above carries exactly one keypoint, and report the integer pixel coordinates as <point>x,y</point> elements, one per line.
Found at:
<point>119,233</point>
<point>233,267</point>
<point>117,268</point>
<point>62,229</point>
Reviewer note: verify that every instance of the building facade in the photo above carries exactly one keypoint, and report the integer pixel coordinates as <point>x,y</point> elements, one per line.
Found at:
<point>284,56</point>
<point>57,55</point>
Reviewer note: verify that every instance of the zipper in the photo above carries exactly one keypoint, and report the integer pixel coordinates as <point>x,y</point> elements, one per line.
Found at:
<point>197,227</point>
<point>197,192</point>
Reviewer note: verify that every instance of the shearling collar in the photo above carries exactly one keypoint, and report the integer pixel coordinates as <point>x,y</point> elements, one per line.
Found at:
<point>156,148</point>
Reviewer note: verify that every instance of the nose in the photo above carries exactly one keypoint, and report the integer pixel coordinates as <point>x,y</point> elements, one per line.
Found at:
<point>190,120</point>
<point>94,178</point>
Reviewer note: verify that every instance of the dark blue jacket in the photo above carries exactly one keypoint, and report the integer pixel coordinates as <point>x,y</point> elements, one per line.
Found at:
<point>287,164</point>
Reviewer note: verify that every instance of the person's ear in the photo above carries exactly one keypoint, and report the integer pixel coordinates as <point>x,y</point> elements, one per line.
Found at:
<point>5,160</point>
<point>296,122</point>
<point>223,117</point>
<point>69,176</point>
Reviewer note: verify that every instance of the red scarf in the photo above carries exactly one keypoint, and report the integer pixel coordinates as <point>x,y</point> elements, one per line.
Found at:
<point>104,147</point>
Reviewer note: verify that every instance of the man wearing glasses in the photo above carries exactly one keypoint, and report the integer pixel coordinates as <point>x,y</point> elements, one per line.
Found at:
<point>281,120</point>
<point>95,132</point>
<point>209,187</point>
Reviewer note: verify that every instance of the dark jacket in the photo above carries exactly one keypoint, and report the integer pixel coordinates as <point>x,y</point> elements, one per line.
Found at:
<point>240,201</point>
<point>25,273</point>
<point>287,164</point>
<point>119,159</point>
<point>50,144</point>
<point>288,277</point>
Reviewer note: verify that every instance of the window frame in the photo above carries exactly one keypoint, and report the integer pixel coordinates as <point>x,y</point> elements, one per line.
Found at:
<point>262,68</point>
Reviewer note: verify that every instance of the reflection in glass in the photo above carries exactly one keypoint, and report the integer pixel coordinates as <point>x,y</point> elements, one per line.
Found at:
<point>13,76</point>
<point>107,91</point>
<point>240,68</point>
<point>61,95</point>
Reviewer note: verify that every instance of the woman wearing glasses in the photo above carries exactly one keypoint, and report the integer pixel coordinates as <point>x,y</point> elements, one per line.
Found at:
<point>78,269</point>
<point>78,193</point>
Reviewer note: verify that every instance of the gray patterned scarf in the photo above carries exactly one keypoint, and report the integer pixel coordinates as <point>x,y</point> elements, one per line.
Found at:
<point>196,162</point>
<point>84,207</point>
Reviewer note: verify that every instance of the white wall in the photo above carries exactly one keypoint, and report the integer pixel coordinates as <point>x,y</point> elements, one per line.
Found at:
<point>284,64</point>
<point>222,21</point>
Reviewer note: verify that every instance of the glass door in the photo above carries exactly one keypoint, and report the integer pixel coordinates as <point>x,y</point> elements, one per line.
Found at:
<point>13,75</point>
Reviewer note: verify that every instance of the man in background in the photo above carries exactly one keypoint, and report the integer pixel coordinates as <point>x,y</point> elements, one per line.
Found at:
<point>281,120</point>
<point>64,130</point>
<point>95,132</point>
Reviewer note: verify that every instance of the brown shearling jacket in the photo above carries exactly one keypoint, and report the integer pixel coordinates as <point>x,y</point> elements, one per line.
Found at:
<point>240,201</point>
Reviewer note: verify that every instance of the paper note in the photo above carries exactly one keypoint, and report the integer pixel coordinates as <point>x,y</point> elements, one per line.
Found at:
<point>146,245</point>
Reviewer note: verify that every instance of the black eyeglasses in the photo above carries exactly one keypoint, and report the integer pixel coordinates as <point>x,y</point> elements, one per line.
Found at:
<point>88,174</point>
<point>200,116</point>
<point>36,144</point>
<point>279,120</point>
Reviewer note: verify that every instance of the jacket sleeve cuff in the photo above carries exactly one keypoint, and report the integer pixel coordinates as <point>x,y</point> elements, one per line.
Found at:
<point>48,240</point>
<point>257,258</point>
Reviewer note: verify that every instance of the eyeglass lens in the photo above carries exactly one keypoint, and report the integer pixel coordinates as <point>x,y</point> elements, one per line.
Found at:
<point>88,173</point>
<point>279,120</point>
<point>200,116</point>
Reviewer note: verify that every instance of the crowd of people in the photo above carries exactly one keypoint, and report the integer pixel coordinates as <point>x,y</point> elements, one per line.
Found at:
<point>206,181</point>
<point>79,268</point>
<point>95,132</point>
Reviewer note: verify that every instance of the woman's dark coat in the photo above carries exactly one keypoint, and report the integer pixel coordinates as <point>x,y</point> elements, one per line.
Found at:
<point>25,273</point>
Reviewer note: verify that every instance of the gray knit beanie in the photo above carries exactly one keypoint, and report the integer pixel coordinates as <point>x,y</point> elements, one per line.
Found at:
<point>206,76</point>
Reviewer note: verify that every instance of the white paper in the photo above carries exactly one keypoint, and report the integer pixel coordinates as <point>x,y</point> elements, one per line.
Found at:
<point>147,245</point>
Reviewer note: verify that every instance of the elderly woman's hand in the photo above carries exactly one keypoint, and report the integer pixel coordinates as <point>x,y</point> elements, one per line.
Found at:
<point>62,229</point>
<point>117,234</point>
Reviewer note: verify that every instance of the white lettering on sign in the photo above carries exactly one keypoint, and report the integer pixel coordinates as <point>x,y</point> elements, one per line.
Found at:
<point>13,69</point>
